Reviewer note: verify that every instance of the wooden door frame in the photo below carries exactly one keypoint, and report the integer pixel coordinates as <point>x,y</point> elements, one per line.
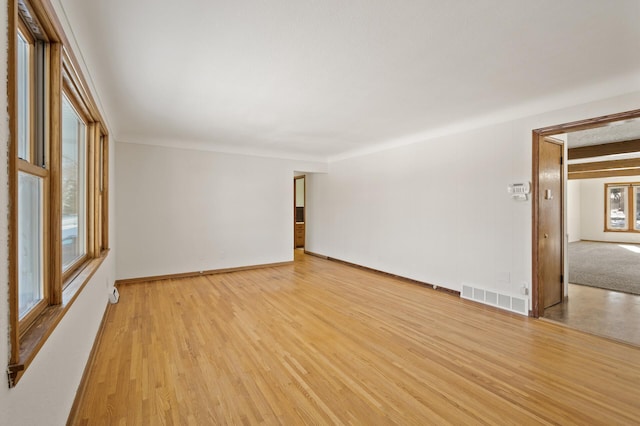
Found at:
<point>538,135</point>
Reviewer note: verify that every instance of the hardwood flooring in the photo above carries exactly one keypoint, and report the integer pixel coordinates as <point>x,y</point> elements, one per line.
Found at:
<point>318,342</point>
<point>599,311</point>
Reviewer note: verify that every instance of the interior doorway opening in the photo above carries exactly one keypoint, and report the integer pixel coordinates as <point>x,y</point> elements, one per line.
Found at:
<point>299,211</point>
<point>597,151</point>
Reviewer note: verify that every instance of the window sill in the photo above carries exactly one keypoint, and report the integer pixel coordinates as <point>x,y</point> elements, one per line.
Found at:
<point>32,340</point>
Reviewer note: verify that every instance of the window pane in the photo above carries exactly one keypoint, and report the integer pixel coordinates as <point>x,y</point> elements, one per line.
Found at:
<point>23,100</point>
<point>74,176</point>
<point>30,242</point>
<point>617,208</point>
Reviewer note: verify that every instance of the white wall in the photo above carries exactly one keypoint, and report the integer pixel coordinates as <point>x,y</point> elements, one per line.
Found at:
<point>424,211</point>
<point>46,391</point>
<point>438,211</point>
<point>592,211</point>
<point>184,210</point>
<point>574,214</point>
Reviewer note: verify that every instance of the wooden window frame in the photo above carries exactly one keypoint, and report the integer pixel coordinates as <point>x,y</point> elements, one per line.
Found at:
<point>59,72</point>
<point>631,209</point>
<point>102,189</point>
<point>28,166</point>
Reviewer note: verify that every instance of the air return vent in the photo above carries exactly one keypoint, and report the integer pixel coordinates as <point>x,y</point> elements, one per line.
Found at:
<point>515,304</point>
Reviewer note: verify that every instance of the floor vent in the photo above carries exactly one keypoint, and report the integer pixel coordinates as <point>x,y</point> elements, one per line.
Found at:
<point>517,304</point>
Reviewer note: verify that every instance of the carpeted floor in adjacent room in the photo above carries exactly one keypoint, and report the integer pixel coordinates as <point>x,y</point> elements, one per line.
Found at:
<point>613,266</point>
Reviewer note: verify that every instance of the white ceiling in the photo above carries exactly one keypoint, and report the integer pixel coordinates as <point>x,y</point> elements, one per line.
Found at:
<point>318,79</point>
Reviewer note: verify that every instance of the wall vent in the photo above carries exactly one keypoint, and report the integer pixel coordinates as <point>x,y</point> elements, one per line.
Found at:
<point>478,294</point>
<point>517,304</point>
<point>467,292</point>
<point>491,297</point>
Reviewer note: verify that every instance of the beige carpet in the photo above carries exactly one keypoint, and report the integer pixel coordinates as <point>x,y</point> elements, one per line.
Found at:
<point>613,266</point>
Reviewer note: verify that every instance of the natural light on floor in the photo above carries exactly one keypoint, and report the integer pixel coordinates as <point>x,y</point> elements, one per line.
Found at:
<point>632,248</point>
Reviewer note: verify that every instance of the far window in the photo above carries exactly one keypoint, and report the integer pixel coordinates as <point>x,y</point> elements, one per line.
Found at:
<point>622,207</point>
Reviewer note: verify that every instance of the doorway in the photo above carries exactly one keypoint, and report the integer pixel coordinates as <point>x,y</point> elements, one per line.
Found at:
<point>299,213</point>
<point>594,148</point>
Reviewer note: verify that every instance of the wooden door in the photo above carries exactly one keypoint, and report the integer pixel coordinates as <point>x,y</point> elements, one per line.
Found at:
<point>550,231</point>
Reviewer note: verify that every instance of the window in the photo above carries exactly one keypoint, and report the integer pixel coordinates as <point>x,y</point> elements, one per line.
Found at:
<point>622,201</point>
<point>58,181</point>
<point>30,242</point>
<point>617,208</point>
<point>74,182</point>
<point>32,178</point>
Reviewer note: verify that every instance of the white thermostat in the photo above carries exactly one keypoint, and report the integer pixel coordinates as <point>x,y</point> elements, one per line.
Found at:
<point>519,188</point>
<point>519,191</point>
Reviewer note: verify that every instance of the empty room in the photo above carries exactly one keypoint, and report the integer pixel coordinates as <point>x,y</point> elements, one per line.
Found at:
<point>319,212</point>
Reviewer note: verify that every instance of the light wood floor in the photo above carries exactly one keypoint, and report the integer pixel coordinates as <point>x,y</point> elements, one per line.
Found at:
<point>319,342</point>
